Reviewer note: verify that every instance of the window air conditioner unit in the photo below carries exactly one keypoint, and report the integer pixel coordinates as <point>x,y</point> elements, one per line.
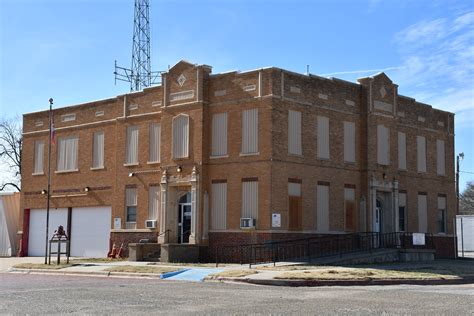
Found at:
<point>247,222</point>
<point>151,223</point>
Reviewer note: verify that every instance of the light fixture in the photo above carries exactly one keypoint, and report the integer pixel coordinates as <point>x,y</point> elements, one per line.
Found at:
<point>461,156</point>
<point>43,192</point>
<point>384,176</point>
<point>131,174</point>
<point>87,189</point>
<point>179,169</point>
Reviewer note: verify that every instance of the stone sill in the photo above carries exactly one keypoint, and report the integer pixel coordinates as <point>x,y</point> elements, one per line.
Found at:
<point>249,154</point>
<point>131,164</point>
<point>67,171</point>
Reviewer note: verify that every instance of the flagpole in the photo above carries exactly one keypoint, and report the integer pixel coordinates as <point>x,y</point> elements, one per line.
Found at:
<point>48,192</point>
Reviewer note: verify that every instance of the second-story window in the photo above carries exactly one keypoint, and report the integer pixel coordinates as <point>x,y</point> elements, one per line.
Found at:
<point>219,134</point>
<point>421,153</point>
<point>440,158</point>
<point>67,153</point>
<point>402,151</point>
<point>155,135</point>
<point>349,142</point>
<point>181,136</point>
<point>383,145</point>
<point>132,145</point>
<point>250,131</point>
<point>98,150</point>
<point>39,157</point>
<point>294,133</point>
<point>323,137</point>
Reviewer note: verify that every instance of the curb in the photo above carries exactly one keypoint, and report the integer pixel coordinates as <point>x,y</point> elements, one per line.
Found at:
<point>86,273</point>
<point>363,282</point>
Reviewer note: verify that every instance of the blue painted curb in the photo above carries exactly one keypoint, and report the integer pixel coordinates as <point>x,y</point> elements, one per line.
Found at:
<point>173,273</point>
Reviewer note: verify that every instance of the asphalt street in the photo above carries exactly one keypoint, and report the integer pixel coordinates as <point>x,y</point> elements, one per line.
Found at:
<point>57,294</point>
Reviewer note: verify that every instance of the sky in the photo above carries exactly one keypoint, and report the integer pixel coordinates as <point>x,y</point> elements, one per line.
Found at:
<point>65,49</point>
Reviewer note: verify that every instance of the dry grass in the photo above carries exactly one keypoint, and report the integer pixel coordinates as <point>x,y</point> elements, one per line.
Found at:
<point>233,273</point>
<point>359,274</point>
<point>142,269</point>
<point>52,266</point>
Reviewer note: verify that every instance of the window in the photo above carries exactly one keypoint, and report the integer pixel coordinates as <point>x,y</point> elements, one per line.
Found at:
<point>294,133</point>
<point>131,205</point>
<point>441,214</point>
<point>219,134</point>
<point>349,142</point>
<point>402,151</point>
<point>383,145</point>
<point>440,158</point>
<point>250,198</point>
<point>181,136</point>
<point>323,137</point>
<point>322,207</point>
<point>295,205</point>
<point>219,205</point>
<point>98,150</point>
<point>39,157</point>
<point>422,213</point>
<point>421,153</point>
<point>132,145</point>
<point>67,153</point>
<point>68,117</point>
<point>250,131</point>
<point>153,201</point>
<point>402,205</point>
<point>154,146</point>
<point>349,208</point>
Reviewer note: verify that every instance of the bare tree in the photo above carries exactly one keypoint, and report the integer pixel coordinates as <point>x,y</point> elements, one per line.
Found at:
<point>11,142</point>
<point>466,200</point>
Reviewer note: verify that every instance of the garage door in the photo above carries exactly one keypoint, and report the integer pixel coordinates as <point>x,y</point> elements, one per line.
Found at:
<point>36,240</point>
<point>90,231</point>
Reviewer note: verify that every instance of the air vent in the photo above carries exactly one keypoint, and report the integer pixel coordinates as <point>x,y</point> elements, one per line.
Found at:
<point>246,223</point>
<point>68,117</point>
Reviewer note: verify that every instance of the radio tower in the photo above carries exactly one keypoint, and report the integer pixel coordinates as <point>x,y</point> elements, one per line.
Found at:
<point>139,75</point>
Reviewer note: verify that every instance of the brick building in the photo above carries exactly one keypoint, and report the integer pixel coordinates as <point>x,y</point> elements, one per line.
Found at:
<point>207,156</point>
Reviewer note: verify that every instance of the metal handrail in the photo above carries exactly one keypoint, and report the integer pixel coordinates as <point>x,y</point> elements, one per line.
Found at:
<point>306,249</point>
<point>166,232</point>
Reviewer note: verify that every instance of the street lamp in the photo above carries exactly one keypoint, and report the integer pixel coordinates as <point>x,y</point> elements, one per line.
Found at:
<point>459,158</point>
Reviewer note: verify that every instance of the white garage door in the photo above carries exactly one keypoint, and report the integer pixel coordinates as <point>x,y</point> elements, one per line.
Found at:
<point>90,231</point>
<point>36,240</point>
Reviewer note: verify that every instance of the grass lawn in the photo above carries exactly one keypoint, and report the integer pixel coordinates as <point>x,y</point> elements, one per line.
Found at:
<point>233,273</point>
<point>339,273</point>
<point>142,269</point>
<point>52,266</point>
<point>96,260</point>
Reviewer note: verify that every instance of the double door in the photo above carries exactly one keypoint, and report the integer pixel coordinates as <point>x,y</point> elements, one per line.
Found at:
<point>184,222</point>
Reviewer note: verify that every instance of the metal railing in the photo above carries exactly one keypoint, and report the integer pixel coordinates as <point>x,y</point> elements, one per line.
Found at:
<point>307,249</point>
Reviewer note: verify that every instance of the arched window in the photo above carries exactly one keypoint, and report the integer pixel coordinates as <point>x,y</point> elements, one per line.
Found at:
<point>181,136</point>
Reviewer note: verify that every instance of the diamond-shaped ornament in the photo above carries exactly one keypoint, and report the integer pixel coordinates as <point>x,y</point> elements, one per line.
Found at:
<point>383,92</point>
<point>181,80</point>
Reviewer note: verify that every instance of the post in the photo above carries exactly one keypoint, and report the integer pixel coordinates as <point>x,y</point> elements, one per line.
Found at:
<point>462,238</point>
<point>457,185</point>
<point>48,192</point>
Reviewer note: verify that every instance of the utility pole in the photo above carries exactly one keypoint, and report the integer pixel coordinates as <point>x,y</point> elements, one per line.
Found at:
<point>139,75</point>
<point>48,190</point>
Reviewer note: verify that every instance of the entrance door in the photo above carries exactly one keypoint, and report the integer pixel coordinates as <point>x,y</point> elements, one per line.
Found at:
<point>378,223</point>
<point>184,219</point>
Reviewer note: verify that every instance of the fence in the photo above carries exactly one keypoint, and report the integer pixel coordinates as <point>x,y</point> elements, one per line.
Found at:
<point>307,249</point>
<point>465,235</point>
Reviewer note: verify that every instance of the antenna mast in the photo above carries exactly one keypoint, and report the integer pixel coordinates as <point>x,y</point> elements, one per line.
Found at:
<point>139,75</point>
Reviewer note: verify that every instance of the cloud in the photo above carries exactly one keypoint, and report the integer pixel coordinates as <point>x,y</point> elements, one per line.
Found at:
<point>438,63</point>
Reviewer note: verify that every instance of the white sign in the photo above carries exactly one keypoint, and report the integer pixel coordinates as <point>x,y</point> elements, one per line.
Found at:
<point>117,223</point>
<point>276,220</point>
<point>418,239</point>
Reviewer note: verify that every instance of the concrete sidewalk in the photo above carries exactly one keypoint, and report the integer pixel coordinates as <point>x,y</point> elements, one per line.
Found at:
<point>266,274</point>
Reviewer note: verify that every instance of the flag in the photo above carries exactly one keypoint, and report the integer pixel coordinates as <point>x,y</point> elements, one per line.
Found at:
<point>52,131</point>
